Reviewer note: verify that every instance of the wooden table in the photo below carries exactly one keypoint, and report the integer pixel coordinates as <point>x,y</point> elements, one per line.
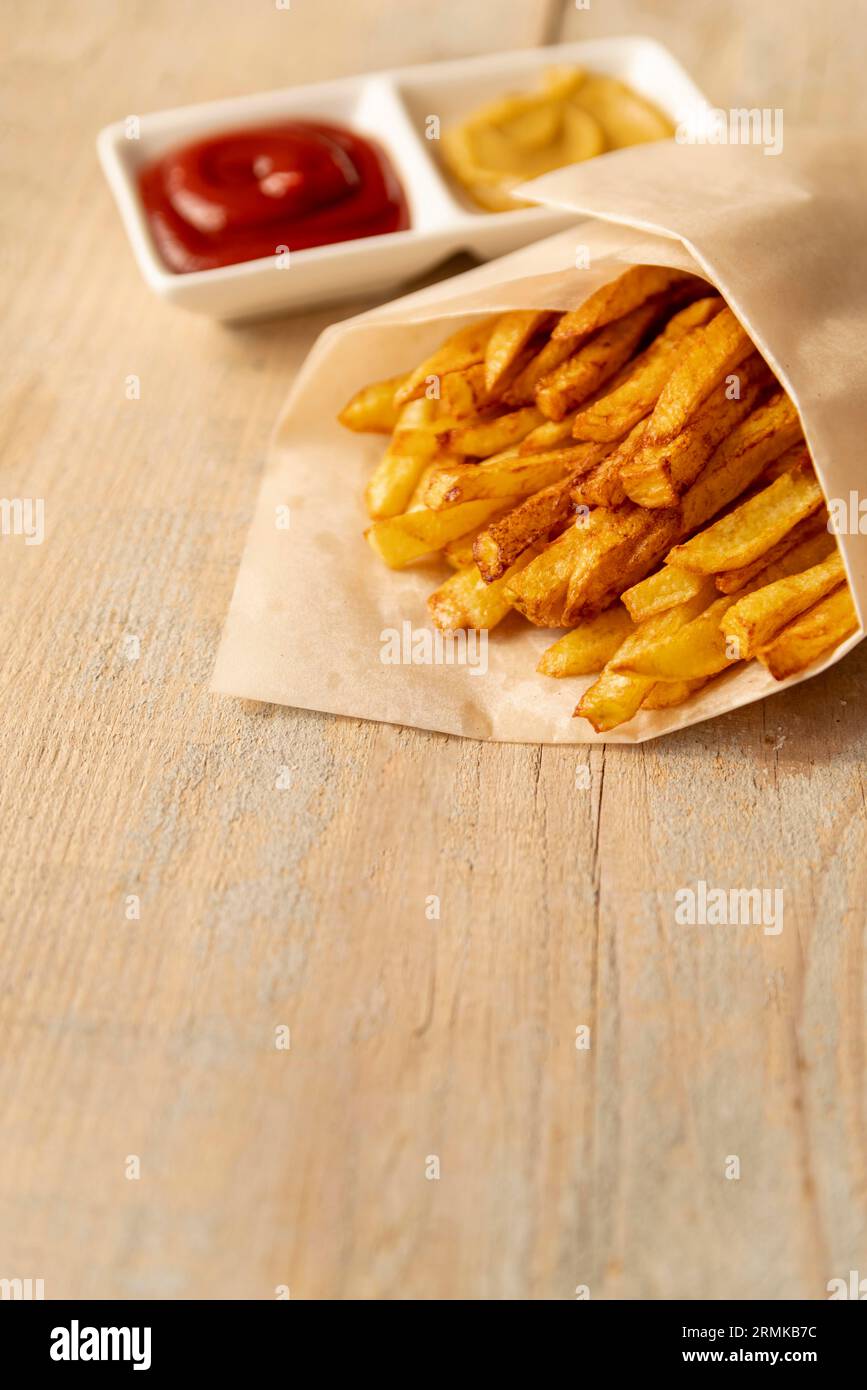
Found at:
<point>128,788</point>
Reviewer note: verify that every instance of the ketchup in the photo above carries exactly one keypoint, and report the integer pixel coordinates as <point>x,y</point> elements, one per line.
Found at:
<point>241,195</point>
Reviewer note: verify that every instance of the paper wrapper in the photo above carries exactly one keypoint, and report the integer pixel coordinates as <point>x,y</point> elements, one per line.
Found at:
<point>781,237</point>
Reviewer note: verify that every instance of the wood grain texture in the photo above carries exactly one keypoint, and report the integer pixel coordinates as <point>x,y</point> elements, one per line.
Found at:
<point>305,906</point>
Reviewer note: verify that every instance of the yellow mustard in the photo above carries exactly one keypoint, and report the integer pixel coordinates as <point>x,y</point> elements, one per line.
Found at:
<point>577,115</point>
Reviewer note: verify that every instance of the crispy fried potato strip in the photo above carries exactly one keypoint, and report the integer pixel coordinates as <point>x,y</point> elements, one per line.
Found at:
<point>754,621</point>
<point>399,540</point>
<point>372,410</point>
<point>498,545</point>
<point>658,474</point>
<point>751,530</point>
<point>462,350</point>
<point>510,334</point>
<point>509,474</point>
<point>480,438</point>
<point>629,291</point>
<point>592,365</point>
<point>614,414</point>
<point>811,635</point>
<point>466,601</point>
<point>411,448</point>
<point>613,699</point>
<point>587,647</point>
<point>807,544</point>
<point>664,589</point>
<point>711,354</point>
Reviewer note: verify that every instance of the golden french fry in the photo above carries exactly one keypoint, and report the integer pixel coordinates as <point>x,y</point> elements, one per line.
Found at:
<point>752,528</point>
<point>522,390</point>
<point>540,590</point>
<point>399,540</point>
<point>462,393</point>
<point>510,334</point>
<point>593,363</point>
<point>811,635</point>
<point>666,694</point>
<point>712,354</point>
<point>658,474</point>
<point>411,448</point>
<point>614,414</point>
<point>459,552</point>
<point>612,699</point>
<point>807,544</point>
<point>509,474</point>
<point>481,438</point>
<point>754,621</point>
<point>466,601</point>
<point>597,580</point>
<point>499,544</point>
<point>628,292</point>
<point>662,627</point>
<point>602,486</point>
<point>462,350</point>
<point>416,501</point>
<point>664,589</point>
<point>725,478</point>
<point>696,649</point>
<point>372,409</point>
<point>588,647</point>
<point>547,436</point>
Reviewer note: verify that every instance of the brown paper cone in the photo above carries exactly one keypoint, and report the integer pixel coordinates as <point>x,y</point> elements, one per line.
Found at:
<point>780,236</point>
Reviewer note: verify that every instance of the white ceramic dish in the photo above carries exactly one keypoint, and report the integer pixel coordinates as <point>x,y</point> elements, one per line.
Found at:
<point>392,107</point>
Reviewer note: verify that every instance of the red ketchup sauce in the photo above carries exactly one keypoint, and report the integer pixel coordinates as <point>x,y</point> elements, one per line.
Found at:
<point>241,195</point>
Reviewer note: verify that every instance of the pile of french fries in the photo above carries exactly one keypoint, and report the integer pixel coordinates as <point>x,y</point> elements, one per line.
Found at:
<point>631,471</point>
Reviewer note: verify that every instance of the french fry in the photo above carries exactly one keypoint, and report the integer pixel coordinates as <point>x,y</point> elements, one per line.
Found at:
<point>593,364</point>
<point>499,544</point>
<point>547,436</point>
<point>711,354</point>
<point>628,292</point>
<point>725,478</point>
<point>412,446</point>
<point>661,628</point>
<point>398,540</point>
<point>416,502</point>
<point>658,474</point>
<point>602,486</point>
<point>462,350</point>
<point>372,409</point>
<point>664,589</point>
<point>510,334</point>
<point>597,580</point>
<point>509,474</point>
<point>466,601</point>
<point>808,542</point>
<point>481,438</point>
<point>539,591</point>
<point>522,389</point>
<point>459,552</point>
<point>617,695</point>
<point>754,621</point>
<point>697,649</point>
<point>666,694</point>
<point>752,528</point>
<point>462,394</point>
<point>614,414</point>
<point>811,635</point>
<point>612,699</point>
<point>588,647</point>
